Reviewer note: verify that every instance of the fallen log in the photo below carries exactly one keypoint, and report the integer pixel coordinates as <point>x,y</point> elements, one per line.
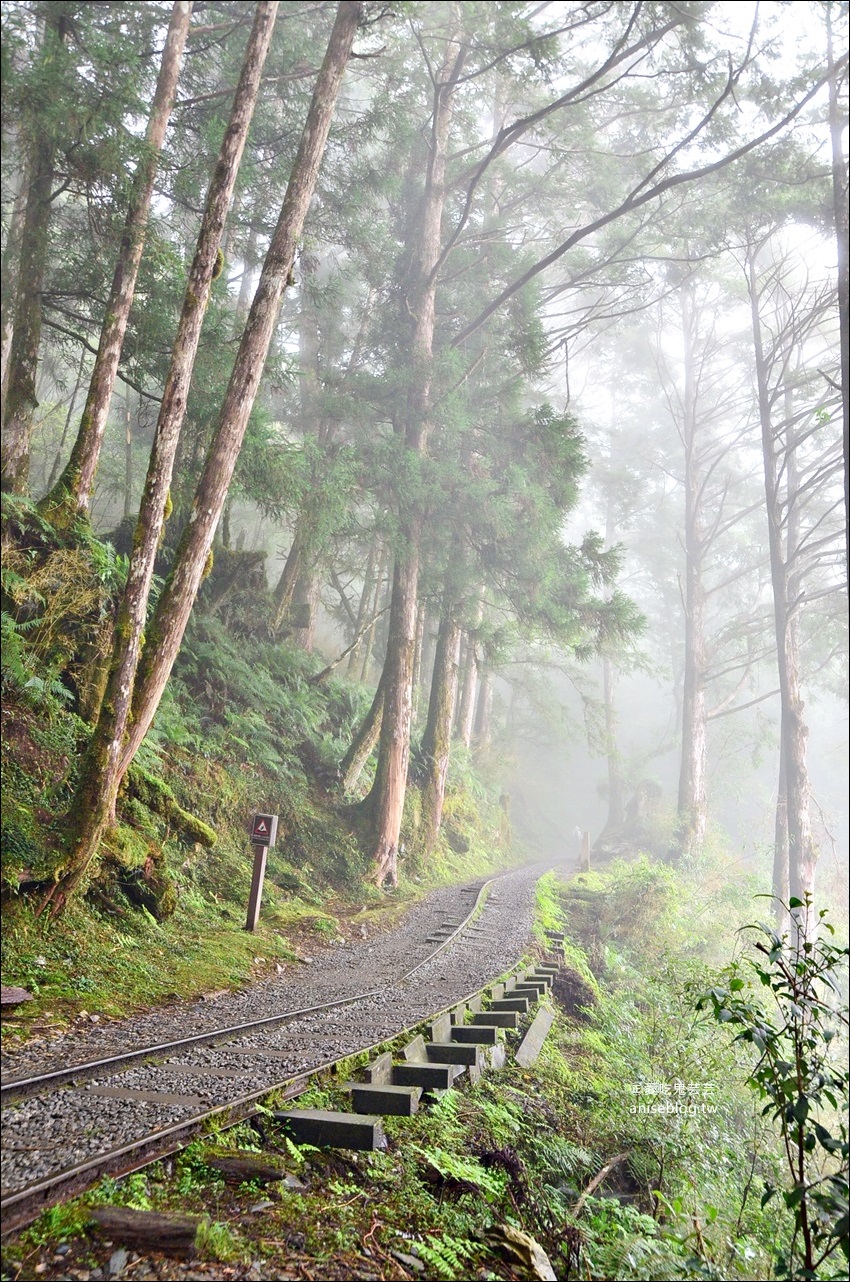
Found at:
<point>151,1230</point>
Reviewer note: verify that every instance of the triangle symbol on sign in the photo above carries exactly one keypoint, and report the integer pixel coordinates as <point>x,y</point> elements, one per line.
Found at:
<point>261,827</point>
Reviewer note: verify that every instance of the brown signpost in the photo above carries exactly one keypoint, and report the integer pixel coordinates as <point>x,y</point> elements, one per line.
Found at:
<point>263,837</point>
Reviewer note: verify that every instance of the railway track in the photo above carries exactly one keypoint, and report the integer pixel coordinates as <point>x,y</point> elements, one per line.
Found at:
<point>65,1127</point>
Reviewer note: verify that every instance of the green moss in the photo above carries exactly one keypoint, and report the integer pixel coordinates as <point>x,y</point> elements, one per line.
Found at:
<point>157,796</point>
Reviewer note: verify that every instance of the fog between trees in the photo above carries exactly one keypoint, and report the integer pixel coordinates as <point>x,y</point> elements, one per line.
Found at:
<point>546,433</point>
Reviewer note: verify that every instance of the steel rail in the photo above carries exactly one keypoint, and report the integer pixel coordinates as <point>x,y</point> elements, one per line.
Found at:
<point>21,1206</point>
<point>21,1087</point>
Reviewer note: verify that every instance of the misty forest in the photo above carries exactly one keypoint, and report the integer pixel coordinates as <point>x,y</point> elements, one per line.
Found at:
<point>426,423</point>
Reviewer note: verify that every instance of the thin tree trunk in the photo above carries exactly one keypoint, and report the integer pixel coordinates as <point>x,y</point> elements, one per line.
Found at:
<point>615,770</point>
<point>60,452</point>
<point>801,852</point>
<point>104,767</point>
<point>484,710</point>
<point>840,193</point>
<point>128,460</point>
<point>370,635</point>
<point>417,657</point>
<point>363,607</point>
<point>436,742</point>
<point>692,803</point>
<point>386,800</point>
<point>363,744</point>
<point>175,603</point>
<point>72,492</point>
<point>20,401</point>
<point>466,714</point>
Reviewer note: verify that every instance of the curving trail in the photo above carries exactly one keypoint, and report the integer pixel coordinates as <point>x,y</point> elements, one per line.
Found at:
<point>219,1056</point>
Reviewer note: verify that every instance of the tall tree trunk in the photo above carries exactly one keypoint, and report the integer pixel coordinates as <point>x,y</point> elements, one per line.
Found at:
<point>484,709</point>
<point>72,492</point>
<point>302,553</point>
<point>10,278</point>
<point>801,850</point>
<point>60,452</point>
<point>386,800</point>
<point>369,640</point>
<point>365,597</point>
<point>466,711</point>
<point>175,603</point>
<point>306,606</point>
<point>692,803</point>
<point>436,742</point>
<point>615,769</point>
<point>105,763</point>
<point>20,400</point>
<point>128,459</point>
<point>837,124</point>
<point>363,744</point>
<point>417,657</point>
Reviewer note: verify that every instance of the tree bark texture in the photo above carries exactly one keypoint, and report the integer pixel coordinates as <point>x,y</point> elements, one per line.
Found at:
<point>436,742</point>
<point>363,744</point>
<point>75,485</point>
<point>178,596</point>
<point>107,759</point>
<point>10,279</point>
<point>386,800</point>
<point>20,399</point>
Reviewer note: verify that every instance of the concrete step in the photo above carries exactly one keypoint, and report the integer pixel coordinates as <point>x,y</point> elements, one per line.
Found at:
<point>532,1043</point>
<point>519,1004</point>
<point>380,1070</point>
<point>429,1076</point>
<point>394,1101</point>
<point>532,991</point>
<point>480,1034</point>
<point>452,1053</point>
<point>333,1130</point>
<point>502,1018</point>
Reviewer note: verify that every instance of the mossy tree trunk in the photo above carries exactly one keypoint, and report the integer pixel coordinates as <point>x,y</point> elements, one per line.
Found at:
<point>106,762</point>
<point>436,741</point>
<point>20,402</point>
<point>194,549</point>
<point>73,491</point>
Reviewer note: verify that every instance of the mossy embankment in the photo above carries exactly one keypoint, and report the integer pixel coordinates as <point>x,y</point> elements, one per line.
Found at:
<point>580,1152</point>
<point>244,726</point>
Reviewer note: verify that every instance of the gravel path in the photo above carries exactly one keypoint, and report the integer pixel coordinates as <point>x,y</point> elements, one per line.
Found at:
<point>47,1134</point>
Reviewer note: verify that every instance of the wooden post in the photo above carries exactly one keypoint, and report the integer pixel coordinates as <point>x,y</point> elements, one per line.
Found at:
<point>263,837</point>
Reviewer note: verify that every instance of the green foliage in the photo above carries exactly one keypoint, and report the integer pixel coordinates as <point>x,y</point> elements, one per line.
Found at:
<point>449,1257</point>
<point>801,1073</point>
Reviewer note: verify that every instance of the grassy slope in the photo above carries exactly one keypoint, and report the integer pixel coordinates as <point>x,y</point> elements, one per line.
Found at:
<point>242,729</point>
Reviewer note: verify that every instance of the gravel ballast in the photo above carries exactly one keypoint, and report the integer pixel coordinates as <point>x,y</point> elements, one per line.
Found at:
<point>48,1133</point>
